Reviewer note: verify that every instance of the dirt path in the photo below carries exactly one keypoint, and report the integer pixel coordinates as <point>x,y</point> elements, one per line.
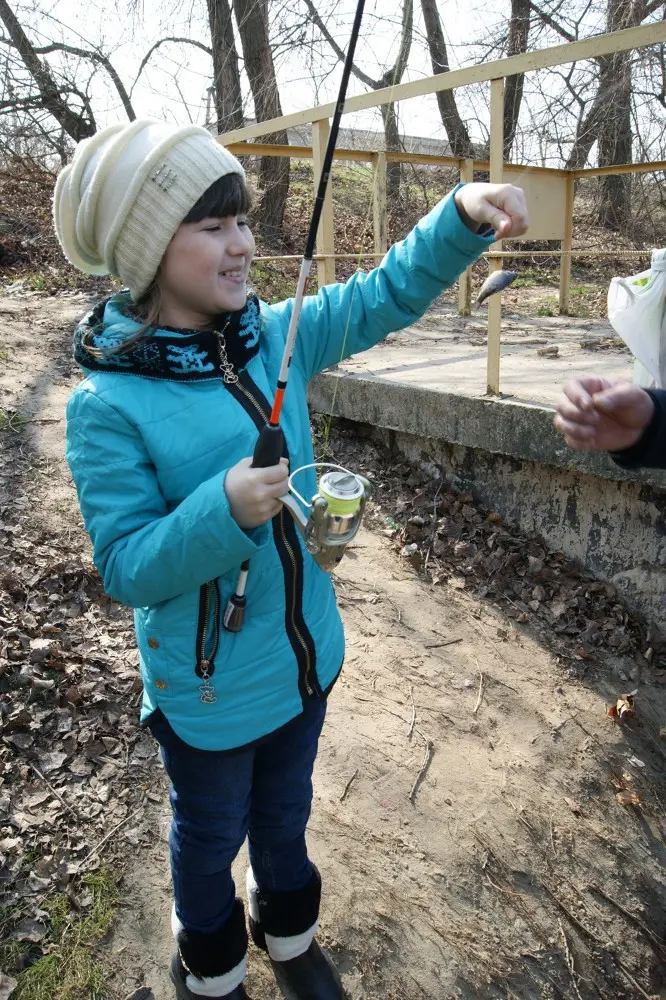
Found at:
<point>468,817</point>
<point>469,889</point>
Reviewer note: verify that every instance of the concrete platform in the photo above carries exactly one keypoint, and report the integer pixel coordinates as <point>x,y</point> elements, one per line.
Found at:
<point>423,395</point>
<point>446,352</point>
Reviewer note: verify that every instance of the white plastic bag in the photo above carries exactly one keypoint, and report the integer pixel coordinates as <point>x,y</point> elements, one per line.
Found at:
<point>637,312</point>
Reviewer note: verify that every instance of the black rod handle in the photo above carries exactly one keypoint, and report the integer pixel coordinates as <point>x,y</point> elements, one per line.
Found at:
<point>269,447</point>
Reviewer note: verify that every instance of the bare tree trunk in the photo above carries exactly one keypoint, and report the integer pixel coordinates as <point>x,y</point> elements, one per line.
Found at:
<point>456,129</point>
<point>587,133</point>
<point>392,135</point>
<point>519,31</point>
<point>608,121</point>
<point>252,21</point>
<point>228,99</point>
<point>76,125</point>
<point>615,135</point>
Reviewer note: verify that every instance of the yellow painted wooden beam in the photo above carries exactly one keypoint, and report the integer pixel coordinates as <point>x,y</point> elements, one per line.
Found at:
<point>465,279</point>
<point>565,260</point>
<point>326,234</point>
<point>379,207</point>
<point>525,62</point>
<point>621,168</point>
<point>495,263</point>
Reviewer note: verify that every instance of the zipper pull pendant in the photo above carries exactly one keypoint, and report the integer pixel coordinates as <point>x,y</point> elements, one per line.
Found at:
<point>207,694</point>
<point>225,366</point>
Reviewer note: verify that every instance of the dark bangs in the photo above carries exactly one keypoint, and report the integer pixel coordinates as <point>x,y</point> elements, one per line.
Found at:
<point>228,196</point>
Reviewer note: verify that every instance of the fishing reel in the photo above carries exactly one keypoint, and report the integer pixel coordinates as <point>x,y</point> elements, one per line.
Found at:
<point>335,513</point>
<point>334,517</point>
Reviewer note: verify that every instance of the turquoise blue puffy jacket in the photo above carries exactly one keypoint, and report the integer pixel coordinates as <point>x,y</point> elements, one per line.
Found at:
<point>149,458</point>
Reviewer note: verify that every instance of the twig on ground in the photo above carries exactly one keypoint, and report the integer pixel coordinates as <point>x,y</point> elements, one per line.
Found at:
<point>98,847</point>
<point>422,773</point>
<point>585,931</point>
<point>411,724</point>
<point>592,887</point>
<point>56,793</point>
<point>348,785</point>
<point>570,961</point>
<point>507,892</point>
<point>478,700</point>
<point>476,624</point>
<point>625,971</point>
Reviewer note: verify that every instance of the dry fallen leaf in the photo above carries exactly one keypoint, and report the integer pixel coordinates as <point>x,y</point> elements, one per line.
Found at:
<point>73,695</point>
<point>628,797</point>
<point>7,986</point>
<point>30,930</point>
<point>623,707</point>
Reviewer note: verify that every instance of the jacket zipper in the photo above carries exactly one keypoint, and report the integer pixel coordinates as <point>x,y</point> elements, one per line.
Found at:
<point>206,662</point>
<point>205,668</point>
<point>300,638</point>
<point>292,610</point>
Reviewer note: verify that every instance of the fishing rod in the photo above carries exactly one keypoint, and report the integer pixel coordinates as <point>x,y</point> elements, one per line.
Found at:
<point>338,507</point>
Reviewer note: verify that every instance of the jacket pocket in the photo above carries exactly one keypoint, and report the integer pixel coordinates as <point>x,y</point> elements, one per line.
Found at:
<point>208,638</point>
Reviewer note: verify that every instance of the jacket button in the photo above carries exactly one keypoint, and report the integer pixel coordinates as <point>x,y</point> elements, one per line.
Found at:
<point>153,643</point>
<point>161,685</point>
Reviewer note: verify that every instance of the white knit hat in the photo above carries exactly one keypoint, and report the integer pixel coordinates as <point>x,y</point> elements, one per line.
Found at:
<point>119,203</point>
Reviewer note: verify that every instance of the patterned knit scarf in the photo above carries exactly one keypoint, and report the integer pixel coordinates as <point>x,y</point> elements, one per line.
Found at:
<point>190,355</point>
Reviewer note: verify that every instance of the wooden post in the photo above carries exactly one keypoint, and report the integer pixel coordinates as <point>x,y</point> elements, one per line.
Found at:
<point>326,234</point>
<point>496,177</point>
<point>465,279</point>
<point>565,259</point>
<point>379,202</point>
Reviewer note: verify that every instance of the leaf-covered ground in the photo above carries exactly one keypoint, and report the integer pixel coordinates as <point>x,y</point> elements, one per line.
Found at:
<point>484,828</point>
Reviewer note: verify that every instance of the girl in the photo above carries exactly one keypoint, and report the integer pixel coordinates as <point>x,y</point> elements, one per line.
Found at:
<point>180,371</point>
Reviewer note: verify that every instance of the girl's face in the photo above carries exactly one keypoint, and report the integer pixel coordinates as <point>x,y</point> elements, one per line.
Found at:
<point>204,271</point>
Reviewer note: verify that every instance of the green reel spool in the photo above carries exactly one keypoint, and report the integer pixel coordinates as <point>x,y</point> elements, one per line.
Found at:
<point>335,514</point>
<point>343,492</point>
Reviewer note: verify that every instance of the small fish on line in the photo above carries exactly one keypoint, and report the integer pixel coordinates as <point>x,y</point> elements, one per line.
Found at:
<point>494,283</point>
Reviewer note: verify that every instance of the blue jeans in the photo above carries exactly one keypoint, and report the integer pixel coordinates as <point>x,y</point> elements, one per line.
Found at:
<point>218,798</point>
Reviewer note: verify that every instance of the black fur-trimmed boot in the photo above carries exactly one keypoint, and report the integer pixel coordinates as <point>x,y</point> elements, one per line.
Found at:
<point>211,965</point>
<point>284,924</point>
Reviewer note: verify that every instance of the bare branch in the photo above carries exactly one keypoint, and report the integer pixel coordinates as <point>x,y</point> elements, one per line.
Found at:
<point>395,73</point>
<point>552,23</point>
<point>162,41</point>
<point>650,7</point>
<point>94,56</point>
<point>358,73</point>
<point>34,100</point>
<point>76,126</point>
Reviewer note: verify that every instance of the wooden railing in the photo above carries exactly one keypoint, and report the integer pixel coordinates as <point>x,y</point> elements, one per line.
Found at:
<point>550,218</point>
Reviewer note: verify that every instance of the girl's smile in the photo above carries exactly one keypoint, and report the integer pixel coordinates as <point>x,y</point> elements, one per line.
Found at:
<point>204,271</point>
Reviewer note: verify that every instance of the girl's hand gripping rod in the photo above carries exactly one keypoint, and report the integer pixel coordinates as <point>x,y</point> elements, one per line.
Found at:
<point>270,444</point>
